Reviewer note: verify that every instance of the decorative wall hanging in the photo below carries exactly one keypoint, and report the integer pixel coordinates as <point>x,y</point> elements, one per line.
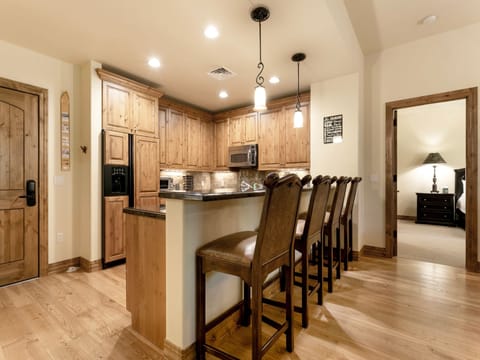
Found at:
<point>332,129</point>
<point>65,131</point>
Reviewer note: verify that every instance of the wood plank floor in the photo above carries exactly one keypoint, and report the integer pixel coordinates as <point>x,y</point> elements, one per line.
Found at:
<point>380,309</point>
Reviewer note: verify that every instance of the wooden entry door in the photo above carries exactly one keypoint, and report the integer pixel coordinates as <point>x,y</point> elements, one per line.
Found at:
<point>19,154</point>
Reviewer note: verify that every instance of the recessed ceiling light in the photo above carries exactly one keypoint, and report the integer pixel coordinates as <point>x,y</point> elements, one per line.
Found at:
<point>223,94</point>
<point>211,32</point>
<point>430,19</point>
<point>274,80</point>
<point>154,62</point>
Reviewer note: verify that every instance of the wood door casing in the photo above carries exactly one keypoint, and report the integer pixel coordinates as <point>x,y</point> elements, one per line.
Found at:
<point>19,149</point>
<point>471,157</point>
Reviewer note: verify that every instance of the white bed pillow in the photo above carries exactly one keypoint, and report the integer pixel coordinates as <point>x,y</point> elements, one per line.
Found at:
<point>462,199</point>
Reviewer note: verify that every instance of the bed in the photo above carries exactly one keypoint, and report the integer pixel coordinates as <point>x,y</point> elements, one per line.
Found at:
<point>460,197</point>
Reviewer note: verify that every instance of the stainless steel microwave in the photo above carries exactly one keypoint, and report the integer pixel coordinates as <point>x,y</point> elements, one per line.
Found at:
<point>243,156</point>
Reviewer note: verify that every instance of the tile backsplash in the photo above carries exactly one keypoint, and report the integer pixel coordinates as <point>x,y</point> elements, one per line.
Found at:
<point>206,181</point>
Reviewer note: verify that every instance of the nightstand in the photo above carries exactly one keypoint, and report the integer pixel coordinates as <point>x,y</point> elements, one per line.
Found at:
<point>438,209</point>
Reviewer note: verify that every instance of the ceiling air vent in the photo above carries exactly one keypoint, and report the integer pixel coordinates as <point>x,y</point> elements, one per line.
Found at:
<point>221,73</point>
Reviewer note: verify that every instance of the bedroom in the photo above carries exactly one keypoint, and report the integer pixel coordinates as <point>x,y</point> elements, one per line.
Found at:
<point>423,130</point>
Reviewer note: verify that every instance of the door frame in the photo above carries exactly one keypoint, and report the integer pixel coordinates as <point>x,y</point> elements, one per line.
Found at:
<point>471,169</point>
<point>42,165</point>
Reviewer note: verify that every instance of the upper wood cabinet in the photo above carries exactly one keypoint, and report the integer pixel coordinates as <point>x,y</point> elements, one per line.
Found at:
<point>186,137</point>
<point>145,117</point>
<point>221,144</point>
<point>280,145</point>
<point>243,129</point>
<point>129,106</point>
<point>116,107</point>
<point>271,144</point>
<point>174,139</point>
<point>115,148</point>
<point>297,141</point>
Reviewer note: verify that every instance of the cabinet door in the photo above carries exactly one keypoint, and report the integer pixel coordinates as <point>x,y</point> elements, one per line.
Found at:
<point>147,173</point>
<point>145,120</point>
<point>221,144</point>
<point>297,141</point>
<point>236,133</point>
<point>175,139</point>
<point>116,107</point>
<point>206,145</point>
<point>162,136</point>
<point>192,141</point>
<point>250,128</point>
<point>114,236</point>
<point>270,139</point>
<point>116,148</point>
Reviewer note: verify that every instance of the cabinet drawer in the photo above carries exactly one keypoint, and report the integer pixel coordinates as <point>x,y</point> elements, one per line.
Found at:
<point>430,215</point>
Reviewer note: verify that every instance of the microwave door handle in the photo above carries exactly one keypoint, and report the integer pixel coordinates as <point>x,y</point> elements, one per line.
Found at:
<point>250,156</point>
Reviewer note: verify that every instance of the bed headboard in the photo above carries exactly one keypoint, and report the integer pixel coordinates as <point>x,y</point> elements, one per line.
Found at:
<point>459,176</point>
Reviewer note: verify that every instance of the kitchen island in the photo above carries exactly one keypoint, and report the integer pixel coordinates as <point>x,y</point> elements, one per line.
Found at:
<point>193,219</point>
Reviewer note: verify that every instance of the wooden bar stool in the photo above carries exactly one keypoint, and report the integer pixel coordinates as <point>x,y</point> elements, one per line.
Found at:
<point>332,229</point>
<point>346,221</point>
<point>309,232</point>
<point>252,256</point>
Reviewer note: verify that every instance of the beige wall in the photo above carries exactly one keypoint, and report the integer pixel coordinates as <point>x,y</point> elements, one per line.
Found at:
<point>56,76</point>
<point>421,130</point>
<point>432,65</point>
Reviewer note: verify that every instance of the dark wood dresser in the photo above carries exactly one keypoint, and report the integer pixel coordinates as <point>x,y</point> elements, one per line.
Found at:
<point>438,209</point>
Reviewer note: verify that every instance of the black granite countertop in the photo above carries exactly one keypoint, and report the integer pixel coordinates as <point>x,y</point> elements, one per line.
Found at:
<point>160,214</point>
<point>212,195</point>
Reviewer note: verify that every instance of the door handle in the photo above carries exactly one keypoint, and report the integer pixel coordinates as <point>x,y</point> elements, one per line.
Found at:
<point>30,196</point>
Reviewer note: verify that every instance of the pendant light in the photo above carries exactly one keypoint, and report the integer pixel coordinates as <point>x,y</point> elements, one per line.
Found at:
<point>297,115</point>
<point>260,14</point>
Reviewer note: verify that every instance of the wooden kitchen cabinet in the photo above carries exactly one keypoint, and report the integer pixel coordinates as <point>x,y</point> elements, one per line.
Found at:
<point>221,144</point>
<point>116,107</point>
<point>175,138</point>
<point>147,173</point>
<point>271,139</point>
<point>243,129</point>
<point>280,145</point>
<point>193,141</point>
<point>145,117</point>
<point>129,106</point>
<point>186,137</point>
<point>114,236</point>
<point>115,148</point>
<point>206,145</point>
<point>297,141</point>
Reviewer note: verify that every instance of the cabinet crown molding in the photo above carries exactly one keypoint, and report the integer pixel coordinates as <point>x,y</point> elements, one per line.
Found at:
<point>106,75</point>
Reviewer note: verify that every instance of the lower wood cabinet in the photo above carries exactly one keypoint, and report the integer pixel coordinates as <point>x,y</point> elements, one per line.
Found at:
<point>114,228</point>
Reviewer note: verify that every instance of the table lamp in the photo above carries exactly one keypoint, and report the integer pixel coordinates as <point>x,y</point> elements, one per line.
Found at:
<point>434,158</point>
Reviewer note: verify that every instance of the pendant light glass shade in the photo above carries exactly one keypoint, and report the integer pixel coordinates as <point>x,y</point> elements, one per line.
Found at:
<point>297,115</point>
<point>260,99</point>
<point>259,15</point>
<point>297,119</point>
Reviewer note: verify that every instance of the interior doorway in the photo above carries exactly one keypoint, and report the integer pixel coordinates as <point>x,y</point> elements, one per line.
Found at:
<point>23,182</point>
<point>471,157</point>
<point>429,227</point>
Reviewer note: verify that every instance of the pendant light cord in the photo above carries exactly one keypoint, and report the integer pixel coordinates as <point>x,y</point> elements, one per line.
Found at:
<point>260,65</point>
<point>298,85</point>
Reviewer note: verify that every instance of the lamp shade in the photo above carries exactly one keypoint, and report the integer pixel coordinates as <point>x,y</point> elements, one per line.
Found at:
<point>260,99</point>
<point>297,119</point>
<point>434,158</point>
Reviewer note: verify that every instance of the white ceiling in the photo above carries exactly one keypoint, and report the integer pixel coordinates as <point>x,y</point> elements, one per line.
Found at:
<point>124,33</point>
